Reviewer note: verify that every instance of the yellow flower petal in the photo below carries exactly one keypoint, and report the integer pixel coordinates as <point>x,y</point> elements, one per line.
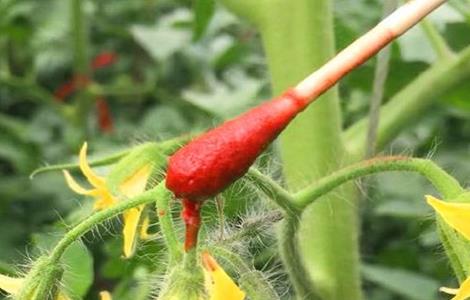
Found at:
<point>131,222</point>
<point>62,296</point>
<point>105,295</point>
<point>461,293</point>
<point>222,287</point>
<point>457,215</point>
<point>10,285</point>
<point>94,179</point>
<point>144,229</point>
<point>135,184</point>
<point>104,199</point>
<point>74,186</point>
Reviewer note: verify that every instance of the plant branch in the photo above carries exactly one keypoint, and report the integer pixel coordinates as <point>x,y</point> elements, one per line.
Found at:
<point>31,89</point>
<point>97,218</point>
<point>380,77</point>
<point>166,224</point>
<point>104,161</point>
<point>253,227</point>
<point>463,8</point>
<point>447,186</point>
<point>365,47</point>
<point>79,40</point>
<point>292,260</point>
<point>271,189</point>
<point>410,103</point>
<point>166,147</point>
<point>439,44</point>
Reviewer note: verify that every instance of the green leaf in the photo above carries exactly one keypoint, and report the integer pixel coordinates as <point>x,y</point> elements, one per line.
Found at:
<point>223,100</point>
<point>203,13</point>
<point>78,274</point>
<point>405,283</point>
<point>166,37</point>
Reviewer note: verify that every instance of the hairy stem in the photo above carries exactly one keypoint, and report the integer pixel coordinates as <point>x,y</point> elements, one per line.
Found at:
<point>291,258</point>
<point>252,228</point>
<point>454,244</point>
<point>274,191</point>
<point>441,180</point>
<point>79,37</point>
<point>166,224</point>
<point>97,218</point>
<point>311,146</point>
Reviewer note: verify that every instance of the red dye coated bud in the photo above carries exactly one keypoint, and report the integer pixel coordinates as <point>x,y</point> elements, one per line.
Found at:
<point>212,161</point>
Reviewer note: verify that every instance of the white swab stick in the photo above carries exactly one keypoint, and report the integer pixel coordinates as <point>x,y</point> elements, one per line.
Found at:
<point>363,48</point>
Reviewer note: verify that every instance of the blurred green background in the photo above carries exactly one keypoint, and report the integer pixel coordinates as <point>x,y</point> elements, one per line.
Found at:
<point>117,73</point>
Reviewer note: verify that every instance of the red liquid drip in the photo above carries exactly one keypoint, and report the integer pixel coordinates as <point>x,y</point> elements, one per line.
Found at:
<point>192,219</point>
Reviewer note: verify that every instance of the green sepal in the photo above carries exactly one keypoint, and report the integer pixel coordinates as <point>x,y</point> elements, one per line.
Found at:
<point>184,283</point>
<point>145,154</point>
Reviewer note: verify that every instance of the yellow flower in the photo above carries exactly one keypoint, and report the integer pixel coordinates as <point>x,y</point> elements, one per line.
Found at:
<point>462,293</point>
<point>132,186</point>
<point>10,285</point>
<point>457,215</point>
<point>105,295</point>
<point>221,286</point>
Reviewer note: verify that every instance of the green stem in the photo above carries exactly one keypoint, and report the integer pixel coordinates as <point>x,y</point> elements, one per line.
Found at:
<point>79,41</point>
<point>31,89</point>
<point>108,160</point>
<point>190,260</point>
<point>251,10</point>
<point>454,245</point>
<point>79,37</point>
<point>98,217</point>
<point>380,77</point>
<point>167,148</point>
<point>463,8</point>
<point>253,228</point>
<point>411,102</point>
<point>439,44</point>
<point>442,181</point>
<point>166,224</point>
<point>312,146</point>
<point>274,191</point>
<point>289,250</point>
